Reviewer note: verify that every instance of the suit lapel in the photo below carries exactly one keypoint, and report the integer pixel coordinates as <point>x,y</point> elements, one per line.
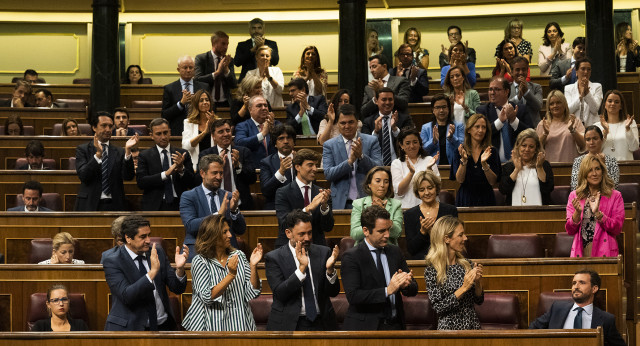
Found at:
<point>342,150</point>
<point>318,268</point>
<point>596,318</point>
<point>369,263</point>
<point>130,269</point>
<point>287,260</point>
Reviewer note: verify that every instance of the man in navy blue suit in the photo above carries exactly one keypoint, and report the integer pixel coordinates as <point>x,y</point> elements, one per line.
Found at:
<point>305,112</point>
<point>31,196</point>
<point>277,169</point>
<point>207,199</point>
<point>254,133</point>
<point>246,51</point>
<point>581,313</point>
<point>177,95</point>
<point>138,278</point>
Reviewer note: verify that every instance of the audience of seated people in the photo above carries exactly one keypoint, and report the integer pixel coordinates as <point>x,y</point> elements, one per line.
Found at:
<point>121,123</point>
<point>19,97</point>
<point>44,99</point>
<point>70,127</point>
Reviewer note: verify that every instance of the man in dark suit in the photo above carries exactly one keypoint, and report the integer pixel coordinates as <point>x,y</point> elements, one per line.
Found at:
<point>303,194</point>
<point>164,172</point>
<point>563,72</point>
<point>34,153</point>
<point>254,133</point>
<point>379,68</point>
<point>302,277</point>
<point>239,169</point>
<point>507,120</point>
<point>102,168</point>
<point>138,278</point>
<point>216,69</point>
<point>581,313</point>
<point>246,51</point>
<point>374,274</point>
<point>305,112</point>
<point>454,34</point>
<point>277,169</point>
<point>416,76</point>
<point>121,120</point>
<point>386,124</point>
<point>209,199</point>
<point>20,96</point>
<point>31,196</point>
<point>176,96</point>
<point>44,99</point>
<point>526,95</point>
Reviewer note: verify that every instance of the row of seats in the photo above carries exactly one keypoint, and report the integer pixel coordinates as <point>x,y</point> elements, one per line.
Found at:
<point>85,130</point>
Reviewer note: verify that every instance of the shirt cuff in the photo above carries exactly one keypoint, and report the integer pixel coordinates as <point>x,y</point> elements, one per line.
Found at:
<point>332,278</point>
<point>260,137</point>
<point>179,106</point>
<point>298,118</point>
<point>498,124</point>
<point>149,278</point>
<point>163,175</point>
<point>127,157</point>
<point>563,79</point>
<point>386,294</point>
<point>281,178</point>
<point>97,159</point>
<point>301,276</point>
<point>183,277</point>
<point>310,110</point>
<point>515,123</point>
<point>396,132</point>
<point>325,212</point>
<point>239,169</point>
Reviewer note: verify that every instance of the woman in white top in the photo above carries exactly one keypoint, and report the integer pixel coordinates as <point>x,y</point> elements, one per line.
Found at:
<point>553,48</point>
<point>412,158</point>
<point>620,132</point>
<point>196,136</point>
<point>272,78</point>
<point>63,245</point>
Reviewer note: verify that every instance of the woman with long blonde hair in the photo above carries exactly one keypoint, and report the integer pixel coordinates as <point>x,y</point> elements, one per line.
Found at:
<point>561,133</point>
<point>453,282</point>
<point>196,135</point>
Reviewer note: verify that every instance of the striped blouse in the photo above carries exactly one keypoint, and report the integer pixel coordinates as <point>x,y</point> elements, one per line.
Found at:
<point>230,311</point>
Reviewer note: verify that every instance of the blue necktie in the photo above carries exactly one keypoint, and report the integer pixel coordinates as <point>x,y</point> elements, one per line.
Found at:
<point>168,188</point>
<point>506,140</point>
<point>577,322</point>
<point>386,145</point>
<point>574,78</point>
<point>213,206</point>
<point>104,169</point>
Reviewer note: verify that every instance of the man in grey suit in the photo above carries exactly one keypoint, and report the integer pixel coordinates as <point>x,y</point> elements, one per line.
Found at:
<point>215,68</point>
<point>526,95</point>
<point>347,159</point>
<point>563,72</point>
<point>379,68</point>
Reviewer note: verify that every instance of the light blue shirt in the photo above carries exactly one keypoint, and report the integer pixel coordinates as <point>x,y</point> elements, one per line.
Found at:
<point>587,316</point>
<point>387,276</point>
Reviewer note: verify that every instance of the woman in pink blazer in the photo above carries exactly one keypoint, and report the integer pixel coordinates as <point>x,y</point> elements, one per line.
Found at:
<point>595,211</point>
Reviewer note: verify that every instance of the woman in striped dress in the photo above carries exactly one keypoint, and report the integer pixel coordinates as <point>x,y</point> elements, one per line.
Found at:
<point>223,281</point>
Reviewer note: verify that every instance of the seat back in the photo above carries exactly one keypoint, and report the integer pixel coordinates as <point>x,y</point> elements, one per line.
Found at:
<point>84,130</point>
<point>346,243</point>
<point>38,309</point>
<point>562,245</point>
<point>49,164</point>
<point>41,249</point>
<point>500,198</point>
<point>27,130</point>
<point>340,306</point>
<point>174,303</point>
<point>146,104</point>
<point>70,164</point>
<point>560,195</point>
<point>499,311</point>
<point>142,130</point>
<point>51,200</point>
<point>630,192</point>
<point>418,313</point>
<point>260,308</point>
<point>547,299</point>
<point>74,103</point>
<point>636,155</point>
<point>82,81</point>
<point>447,197</point>
<point>514,246</point>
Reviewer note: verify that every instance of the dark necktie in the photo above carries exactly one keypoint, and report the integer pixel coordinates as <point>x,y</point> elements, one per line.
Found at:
<point>168,187</point>
<point>380,266</point>
<point>574,77</point>
<point>150,307</point>
<point>386,145</point>
<point>213,206</point>
<point>227,171</point>
<point>106,187</point>
<point>577,322</point>
<point>306,196</point>
<point>187,86</point>
<point>141,268</point>
<point>309,299</point>
<point>217,83</point>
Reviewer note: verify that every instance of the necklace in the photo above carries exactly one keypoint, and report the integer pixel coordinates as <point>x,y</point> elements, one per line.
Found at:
<point>428,209</point>
<point>613,143</point>
<point>524,185</point>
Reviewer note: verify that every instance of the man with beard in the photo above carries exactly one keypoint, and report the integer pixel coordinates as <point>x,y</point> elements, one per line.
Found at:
<point>581,313</point>
<point>246,51</point>
<point>215,68</point>
<point>276,170</point>
<point>31,196</point>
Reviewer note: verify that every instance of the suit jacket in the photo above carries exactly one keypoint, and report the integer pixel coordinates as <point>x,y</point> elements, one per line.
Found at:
<point>633,60</point>
<point>107,253</point>
<point>401,90</point>
<point>420,89</point>
<point>532,101</point>
<point>148,176</point>
<point>5,103</point>
<point>205,68</point>
<point>280,268</point>
<point>90,174</point>
<point>247,59</point>
<point>489,110</point>
<point>133,293</point>
<point>269,184</point>
<point>244,179</point>
<point>557,314</point>
<point>365,291</point>
<point>507,184</point>
<point>246,136</point>
<point>369,125</point>
<point>289,198</point>
<point>21,208</point>
<point>338,171</point>
<point>559,68</point>
<point>319,104</point>
<point>170,96</point>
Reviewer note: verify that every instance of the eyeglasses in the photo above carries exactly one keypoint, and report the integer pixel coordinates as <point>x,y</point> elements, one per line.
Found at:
<point>494,90</point>
<point>64,300</point>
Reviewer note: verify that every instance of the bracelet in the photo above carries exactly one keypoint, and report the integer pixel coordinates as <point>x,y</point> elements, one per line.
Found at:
<point>599,215</point>
<point>463,163</point>
<point>488,167</point>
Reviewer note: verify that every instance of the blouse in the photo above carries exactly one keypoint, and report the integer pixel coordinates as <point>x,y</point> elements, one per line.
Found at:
<point>399,170</point>
<point>190,132</point>
<point>273,96</point>
<point>612,169</point>
<point>73,261</point>
<point>313,91</point>
<point>543,53</point>
<point>44,325</point>
<point>228,312</point>
<point>620,143</point>
<point>560,145</point>
<point>471,100</point>
<point>453,313</point>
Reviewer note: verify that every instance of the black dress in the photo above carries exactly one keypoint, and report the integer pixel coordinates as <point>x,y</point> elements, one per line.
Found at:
<point>417,243</point>
<point>476,190</point>
<point>44,325</point>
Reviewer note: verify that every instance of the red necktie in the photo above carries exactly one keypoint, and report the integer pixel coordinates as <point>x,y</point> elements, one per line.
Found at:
<point>306,196</point>
<point>227,171</point>
<point>264,141</point>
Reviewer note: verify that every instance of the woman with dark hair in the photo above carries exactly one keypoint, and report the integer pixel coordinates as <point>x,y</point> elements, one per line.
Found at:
<point>553,48</point>
<point>476,165</point>
<point>412,159</point>
<point>311,71</point>
<point>458,58</point>
<point>413,37</point>
<point>560,132</point>
<point>70,127</point>
<point>627,49</point>
<point>465,99</point>
<point>619,128</point>
<point>133,75</point>
<point>377,186</point>
<point>13,126</point>
<point>239,106</point>
<point>223,281</point>
<point>527,179</point>
<point>58,308</point>
<point>329,125</point>
<point>196,136</point>
<point>513,33</point>
<point>594,141</point>
<point>503,61</point>
<point>442,136</point>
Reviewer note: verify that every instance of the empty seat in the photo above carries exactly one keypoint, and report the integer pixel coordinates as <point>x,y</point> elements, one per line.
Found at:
<point>630,192</point>
<point>73,103</point>
<point>260,308</point>
<point>346,243</point>
<point>547,299</point>
<point>514,246</point>
<point>560,195</point>
<point>69,164</point>
<point>258,201</point>
<point>41,249</point>
<point>418,312</point>
<point>142,130</point>
<point>146,104</point>
<point>427,98</point>
<point>82,81</point>
<point>51,200</point>
<point>500,198</point>
<point>27,130</point>
<point>562,245</point>
<point>85,130</point>
<point>38,309</point>
<point>447,197</point>
<point>499,311</point>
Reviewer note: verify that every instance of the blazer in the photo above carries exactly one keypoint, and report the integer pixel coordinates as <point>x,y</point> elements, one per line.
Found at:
<point>247,136</point>
<point>489,110</point>
<point>90,174</point>
<point>133,294</point>
<point>471,100</point>
<point>44,325</point>
<point>452,144</point>
<point>394,207</point>
<point>557,314</point>
<point>319,104</point>
<point>507,184</point>
<point>417,243</point>
<point>269,184</point>
<point>148,177</point>
<point>471,76</point>
<point>247,59</point>
<point>604,237</point>
<point>591,102</point>
<point>205,68</point>
<point>338,171</point>
<point>421,86</point>
<point>171,94</point>
<point>401,91</point>
<point>369,124</point>
<point>288,198</point>
<point>633,61</point>
<point>531,101</point>
<point>21,208</point>
<point>189,132</point>
<point>244,179</point>
<point>365,292</point>
<point>280,268</point>
<point>558,70</point>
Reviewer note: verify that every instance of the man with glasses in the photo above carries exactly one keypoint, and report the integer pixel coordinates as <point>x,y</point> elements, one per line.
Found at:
<point>454,33</point>
<point>417,76</point>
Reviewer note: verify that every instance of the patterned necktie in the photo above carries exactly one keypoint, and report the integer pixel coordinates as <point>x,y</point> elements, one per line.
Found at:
<point>577,322</point>
<point>217,83</point>
<point>386,142</point>
<point>353,185</point>
<point>227,171</point>
<point>212,204</point>
<point>106,187</point>
<point>168,186</point>
<point>187,86</point>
